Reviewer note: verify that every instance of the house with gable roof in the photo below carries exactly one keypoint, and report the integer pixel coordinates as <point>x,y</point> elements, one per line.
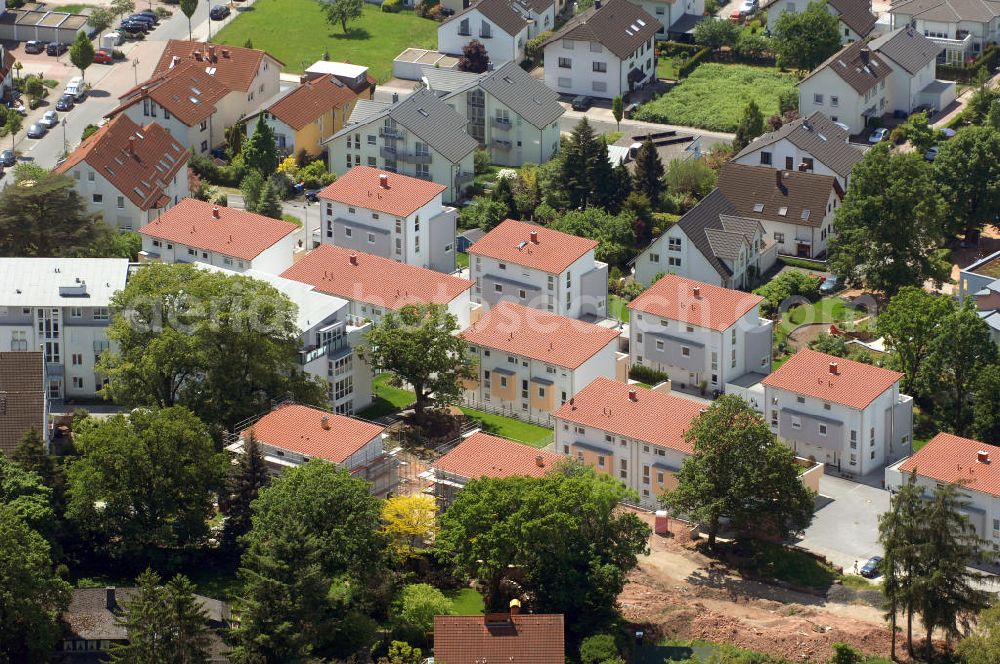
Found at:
<point>503,27</point>
<point>855,17</point>
<point>981,282</point>
<point>961,28</point>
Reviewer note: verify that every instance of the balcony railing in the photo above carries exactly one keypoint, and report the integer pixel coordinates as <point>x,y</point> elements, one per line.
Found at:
<point>388,152</point>
<point>310,354</point>
<point>416,158</point>
<point>390,132</point>
<point>501,123</point>
<point>502,145</point>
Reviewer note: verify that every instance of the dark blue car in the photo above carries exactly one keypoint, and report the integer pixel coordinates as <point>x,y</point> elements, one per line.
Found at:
<point>871,569</point>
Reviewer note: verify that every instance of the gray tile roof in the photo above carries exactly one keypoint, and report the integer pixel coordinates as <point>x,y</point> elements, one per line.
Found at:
<point>618,25</point>
<point>446,81</point>
<point>858,65</point>
<point>948,11</point>
<point>88,616</point>
<point>755,193</point>
<point>703,218</point>
<point>820,137</point>
<point>22,397</point>
<point>856,14</point>
<point>907,48</point>
<point>500,12</point>
<point>523,94</point>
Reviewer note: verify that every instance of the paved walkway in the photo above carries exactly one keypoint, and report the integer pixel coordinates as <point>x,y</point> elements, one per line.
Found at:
<point>956,107</point>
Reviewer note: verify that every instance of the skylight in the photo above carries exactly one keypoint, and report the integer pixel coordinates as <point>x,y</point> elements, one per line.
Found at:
<point>758,207</point>
<point>805,214</point>
<point>782,211</point>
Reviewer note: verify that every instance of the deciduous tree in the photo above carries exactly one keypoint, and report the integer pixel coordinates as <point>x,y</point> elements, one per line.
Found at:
<point>410,523</point>
<point>967,168</point>
<point>715,33</point>
<point>983,645</point>
<point>474,58</point>
<point>188,8</point>
<point>342,11</point>
<point>750,126</point>
<point>805,39</point>
<point>81,53</point>
<point>613,232</point>
<point>909,323</point>
<point>618,110</point>
<point>986,405</point>
<point>417,605</point>
<point>24,492</point>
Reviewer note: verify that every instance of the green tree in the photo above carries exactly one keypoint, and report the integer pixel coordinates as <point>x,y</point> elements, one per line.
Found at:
<point>484,213</point>
<point>31,595</point>
<point>586,171</point>
<point>44,217</point>
<point>982,99</point>
<point>417,605</point>
<point>165,623</point>
<point>24,492</point>
<point>401,652</point>
<point>246,479</point>
<point>269,204</point>
<point>899,534</point>
<point>692,178</point>
<point>34,87</point>
<point>81,53</point>
<point>144,481</point>
<point>613,232</point>
<point>100,19</point>
<point>967,169</point>
<point>342,11</point>
<point>741,472</point>
<point>122,7</point>
<point>993,117</point>
<point>13,125</point>
<point>890,225</point>
<point>909,323</point>
<point>260,151</point>
<point>598,648</point>
<point>750,126</point>
<point>829,344</point>
<point>32,456</point>
<point>954,360</point>
<point>112,243</point>
<point>618,110</point>
<point>649,172</point>
<point>986,405</point>
<point>188,8</point>
<point>805,39</point>
<point>252,187</point>
<point>920,133</point>
<point>752,44</point>
<point>572,550</point>
<point>419,345</point>
<point>982,646</point>
<point>715,33</point>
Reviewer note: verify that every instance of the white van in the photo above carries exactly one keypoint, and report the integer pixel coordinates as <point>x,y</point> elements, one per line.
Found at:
<point>76,88</point>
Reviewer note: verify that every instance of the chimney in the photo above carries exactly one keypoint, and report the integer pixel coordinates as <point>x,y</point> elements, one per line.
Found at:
<point>866,55</point>
<point>540,461</point>
<point>216,213</point>
<point>534,237</point>
<point>515,604</point>
<point>197,56</point>
<point>383,180</point>
<point>325,423</point>
<point>833,368</point>
<point>174,60</point>
<point>572,403</point>
<point>697,292</point>
<point>778,178</point>
<point>632,394</point>
<point>211,53</point>
<point>395,97</point>
<point>225,52</point>
<point>803,168</point>
<point>597,4</point>
<point>983,456</point>
<point>131,144</point>
<point>109,598</point>
<point>354,258</point>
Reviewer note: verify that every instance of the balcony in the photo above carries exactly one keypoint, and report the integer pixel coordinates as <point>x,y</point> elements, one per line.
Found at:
<point>955,50</point>
<point>501,123</point>
<point>387,152</point>
<point>390,132</point>
<point>416,158</point>
<point>464,178</point>
<point>501,144</point>
<point>313,353</point>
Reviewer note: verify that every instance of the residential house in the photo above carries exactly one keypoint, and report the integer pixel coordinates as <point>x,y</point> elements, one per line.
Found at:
<point>508,111</point>
<point>711,243</point>
<point>966,464</point>
<point>812,145</point>
<point>960,28</point>
<point>795,208</point>
<point>702,336</point>
<point>483,455</point>
<point>389,215</point>
<point>981,282</point>
<point>24,400</point>
<point>195,231</point>
<point>865,80</point>
<point>677,19</point>
<point>127,173</point>
<point>314,111</point>
<point>7,61</point>
<point>374,285</point>
<point>531,362</point>
<point>61,307</point>
<point>541,14</point>
<point>292,435</point>
<point>91,624</point>
<point>840,412</point>
<point>605,51</point>
<point>500,637</point>
<point>540,268</point>
<point>501,26</point>
<point>856,20</point>
<point>420,136</point>
<point>629,432</point>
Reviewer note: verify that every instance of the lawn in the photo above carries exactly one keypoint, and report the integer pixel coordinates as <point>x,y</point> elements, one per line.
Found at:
<point>388,399</point>
<point>617,308</point>
<point>297,33</point>
<point>508,427</point>
<point>832,309</point>
<point>666,67</point>
<point>467,602</point>
<point>714,95</point>
<point>791,566</point>
<point>461,260</point>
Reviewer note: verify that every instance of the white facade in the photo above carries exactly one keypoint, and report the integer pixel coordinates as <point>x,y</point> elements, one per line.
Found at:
<point>777,8</point>
<point>117,209</point>
<point>274,260</point>
<point>588,68</point>
<point>959,40</point>
<point>501,46</point>
<point>831,95</point>
<point>461,307</point>
<point>785,154</point>
<point>668,13</point>
<point>199,137</point>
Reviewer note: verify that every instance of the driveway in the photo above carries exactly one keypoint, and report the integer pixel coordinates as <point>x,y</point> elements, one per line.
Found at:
<point>845,527</point>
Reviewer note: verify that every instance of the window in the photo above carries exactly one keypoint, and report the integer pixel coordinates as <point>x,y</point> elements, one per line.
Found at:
<point>808,163</point>
<point>765,158</point>
<point>818,99</point>
<point>77,359</point>
<point>685,351</point>
<point>822,429</point>
<point>204,125</point>
<point>77,382</point>
<point>659,345</point>
<point>834,100</point>
<point>654,258</point>
<point>100,313</point>
<point>502,266</point>
<point>348,231</point>
<point>204,146</point>
<point>371,238</point>
<point>120,204</point>
<point>97,198</point>
<point>600,461</point>
<point>497,288</point>
<point>796,422</point>
<point>372,161</point>
<point>76,312</point>
<point>674,243</point>
<point>565,63</point>
<point>371,139</point>
<point>800,399</point>
<point>673,261</point>
<point>600,67</point>
<point>599,86</point>
<point>522,294</point>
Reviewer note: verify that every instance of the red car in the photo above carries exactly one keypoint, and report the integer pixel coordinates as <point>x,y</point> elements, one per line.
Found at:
<point>103,58</point>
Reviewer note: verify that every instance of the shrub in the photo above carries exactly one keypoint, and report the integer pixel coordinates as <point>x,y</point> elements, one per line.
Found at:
<point>392,6</point>
<point>481,161</point>
<point>88,131</point>
<point>692,63</point>
<point>787,284</point>
<point>598,648</point>
<point>647,375</point>
<point>315,175</point>
<point>533,49</point>
<point>631,290</point>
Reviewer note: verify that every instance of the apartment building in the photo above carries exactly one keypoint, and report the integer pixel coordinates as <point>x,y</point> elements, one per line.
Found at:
<point>419,136</point>
<point>502,26</point>
<point>539,268</point>
<point>960,28</point>
<point>374,285</point>
<point>531,362</point>
<point>292,435</point>
<point>24,397</point>
<point>128,173</point>
<point>966,463</point>
<point>629,432</point>
<point>677,19</point>
<point>702,336</point>
<point>195,231</point>
<point>390,215</point>
<point>483,455</point>
<point>508,111</point>
<point>604,51</point>
<point>981,282</point>
<point>839,412</point>
<point>61,307</point>
<point>854,17</point>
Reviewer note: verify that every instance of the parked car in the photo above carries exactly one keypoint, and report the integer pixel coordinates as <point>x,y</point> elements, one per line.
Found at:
<point>34,46</point>
<point>878,135</point>
<point>17,105</point>
<point>151,15</point>
<point>218,12</point>
<point>36,131</point>
<point>7,158</point>
<point>931,153</point>
<point>748,7</point>
<point>50,119</point>
<point>312,195</point>
<point>65,103</point>
<point>141,18</point>
<point>582,103</point>
<point>872,568</point>
<point>77,88</point>
<point>830,284</point>
<point>56,48</point>
<point>134,27</point>
<point>103,58</point>
<point>948,133</point>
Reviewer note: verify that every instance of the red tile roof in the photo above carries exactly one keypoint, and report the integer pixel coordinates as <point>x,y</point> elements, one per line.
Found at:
<point>522,639</point>
<point>311,100</point>
<point>234,66</point>
<point>949,458</point>
<point>360,187</point>
<point>300,429</point>
<point>653,417</point>
<point>483,455</point>
<point>550,251</point>
<point>539,335</point>
<point>855,384</point>
<point>374,280</point>
<point>237,233</point>
<point>186,91</point>
<point>715,308</point>
<point>137,161</point>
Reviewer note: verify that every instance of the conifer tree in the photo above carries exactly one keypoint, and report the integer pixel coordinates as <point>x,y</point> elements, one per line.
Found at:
<point>649,172</point>
<point>247,477</point>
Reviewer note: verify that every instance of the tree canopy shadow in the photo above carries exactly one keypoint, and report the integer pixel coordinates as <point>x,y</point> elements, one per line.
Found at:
<point>352,34</point>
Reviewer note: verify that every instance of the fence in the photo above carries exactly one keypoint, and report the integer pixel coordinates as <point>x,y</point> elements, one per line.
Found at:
<point>511,412</point>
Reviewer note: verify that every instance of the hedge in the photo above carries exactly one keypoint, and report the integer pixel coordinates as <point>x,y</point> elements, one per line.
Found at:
<point>966,73</point>
<point>692,63</point>
<point>647,375</point>
<point>673,48</point>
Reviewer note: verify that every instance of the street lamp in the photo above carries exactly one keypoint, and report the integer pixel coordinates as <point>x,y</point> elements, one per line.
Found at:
<point>135,70</point>
<point>65,143</point>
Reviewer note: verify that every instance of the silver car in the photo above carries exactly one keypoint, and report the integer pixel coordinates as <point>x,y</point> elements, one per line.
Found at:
<point>50,119</point>
<point>36,131</point>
